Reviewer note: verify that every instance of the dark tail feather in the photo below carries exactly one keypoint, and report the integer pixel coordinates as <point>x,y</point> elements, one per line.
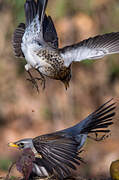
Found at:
<point>30,11</point>
<point>100,119</point>
<point>17,40</point>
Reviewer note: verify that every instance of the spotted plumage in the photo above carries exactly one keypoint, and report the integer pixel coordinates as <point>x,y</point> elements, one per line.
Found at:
<point>37,41</point>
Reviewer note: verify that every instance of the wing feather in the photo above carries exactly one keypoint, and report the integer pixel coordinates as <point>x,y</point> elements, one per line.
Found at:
<point>92,48</point>
<point>40,30</point>
<point>57,167</point>
<point>59,151</point>
<point>17,40</point>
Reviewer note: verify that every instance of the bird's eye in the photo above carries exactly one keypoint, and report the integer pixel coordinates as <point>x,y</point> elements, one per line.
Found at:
<point>37,42</point>
<point>21,145</point>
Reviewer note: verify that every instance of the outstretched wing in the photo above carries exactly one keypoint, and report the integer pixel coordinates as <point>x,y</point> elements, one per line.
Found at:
<point>39,27</point>
<point>34,13</point>
<point>58,151</point>
<point>92,48</point>
<point>30,8</point>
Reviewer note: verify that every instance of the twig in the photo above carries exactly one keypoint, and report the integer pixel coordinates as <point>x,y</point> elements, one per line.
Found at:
<point>9,170</point>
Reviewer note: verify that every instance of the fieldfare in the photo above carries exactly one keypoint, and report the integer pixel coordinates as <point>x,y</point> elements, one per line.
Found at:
<point>37,41</point>
<point>58,152</point>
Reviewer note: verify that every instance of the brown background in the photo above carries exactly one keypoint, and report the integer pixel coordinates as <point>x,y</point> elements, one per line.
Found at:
<point>24,113</point>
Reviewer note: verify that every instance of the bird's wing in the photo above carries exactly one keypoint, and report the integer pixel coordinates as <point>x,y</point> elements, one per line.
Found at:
<point>34,13</point>
<point>41,168</point>
<point>30,8</point>
<point>47,25</point>
<point>92,48</point>
<point>39,26</point>
<point>17,40</point>
<point>58,151</point>
<point>49,32</point>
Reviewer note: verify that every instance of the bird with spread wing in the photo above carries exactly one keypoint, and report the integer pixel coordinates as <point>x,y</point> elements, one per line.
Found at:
<point>37,42</point>
<point>58,152</point>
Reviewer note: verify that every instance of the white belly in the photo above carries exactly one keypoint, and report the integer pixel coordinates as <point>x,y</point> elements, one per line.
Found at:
<point>32,59</point>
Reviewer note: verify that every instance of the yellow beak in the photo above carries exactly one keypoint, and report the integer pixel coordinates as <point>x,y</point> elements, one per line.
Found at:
<point>13,145</point>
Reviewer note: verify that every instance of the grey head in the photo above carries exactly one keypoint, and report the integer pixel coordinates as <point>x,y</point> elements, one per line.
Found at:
<point>22,144</point>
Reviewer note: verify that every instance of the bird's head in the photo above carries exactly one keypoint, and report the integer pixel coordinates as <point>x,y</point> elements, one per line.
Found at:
<point>22,144</point>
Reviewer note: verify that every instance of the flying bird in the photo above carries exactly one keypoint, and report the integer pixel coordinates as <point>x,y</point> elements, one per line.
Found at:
<point>37,42</point>
<point>58,152</point>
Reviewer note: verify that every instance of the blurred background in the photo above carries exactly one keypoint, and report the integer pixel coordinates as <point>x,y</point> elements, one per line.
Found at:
<point>25,113</point>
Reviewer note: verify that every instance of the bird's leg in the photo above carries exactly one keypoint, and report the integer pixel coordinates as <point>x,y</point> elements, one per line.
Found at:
<point>96,138</point>
<point>42,79</point>
<point>33,80</point>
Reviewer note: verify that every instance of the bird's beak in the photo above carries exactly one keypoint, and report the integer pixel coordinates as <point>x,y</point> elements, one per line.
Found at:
<point>66,84</point>
<point>13,145</point>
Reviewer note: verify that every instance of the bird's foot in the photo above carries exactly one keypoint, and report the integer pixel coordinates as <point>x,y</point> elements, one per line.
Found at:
<point>42,79</point>
<point>33,80</point>
<point>96,138</point>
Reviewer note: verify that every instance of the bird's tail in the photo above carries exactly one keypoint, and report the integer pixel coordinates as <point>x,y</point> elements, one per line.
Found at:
<point>98,121</point>
<point>32,9</point>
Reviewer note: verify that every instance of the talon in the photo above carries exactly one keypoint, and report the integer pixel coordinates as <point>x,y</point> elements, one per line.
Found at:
<point>42,79</point>
<point>104,136</point>
<point>42,82</point>
<point>34,82</point>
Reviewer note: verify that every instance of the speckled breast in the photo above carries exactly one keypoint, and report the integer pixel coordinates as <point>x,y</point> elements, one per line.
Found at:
<point>55,68</point>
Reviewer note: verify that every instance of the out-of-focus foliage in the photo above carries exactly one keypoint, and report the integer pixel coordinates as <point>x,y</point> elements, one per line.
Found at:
<point>24,113</point>
<point>18,10</point>
<point>4,164</point>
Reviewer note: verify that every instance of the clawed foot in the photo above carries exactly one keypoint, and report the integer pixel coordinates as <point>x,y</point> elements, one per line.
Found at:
<point>96,138</point>
<point>34,80</point>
